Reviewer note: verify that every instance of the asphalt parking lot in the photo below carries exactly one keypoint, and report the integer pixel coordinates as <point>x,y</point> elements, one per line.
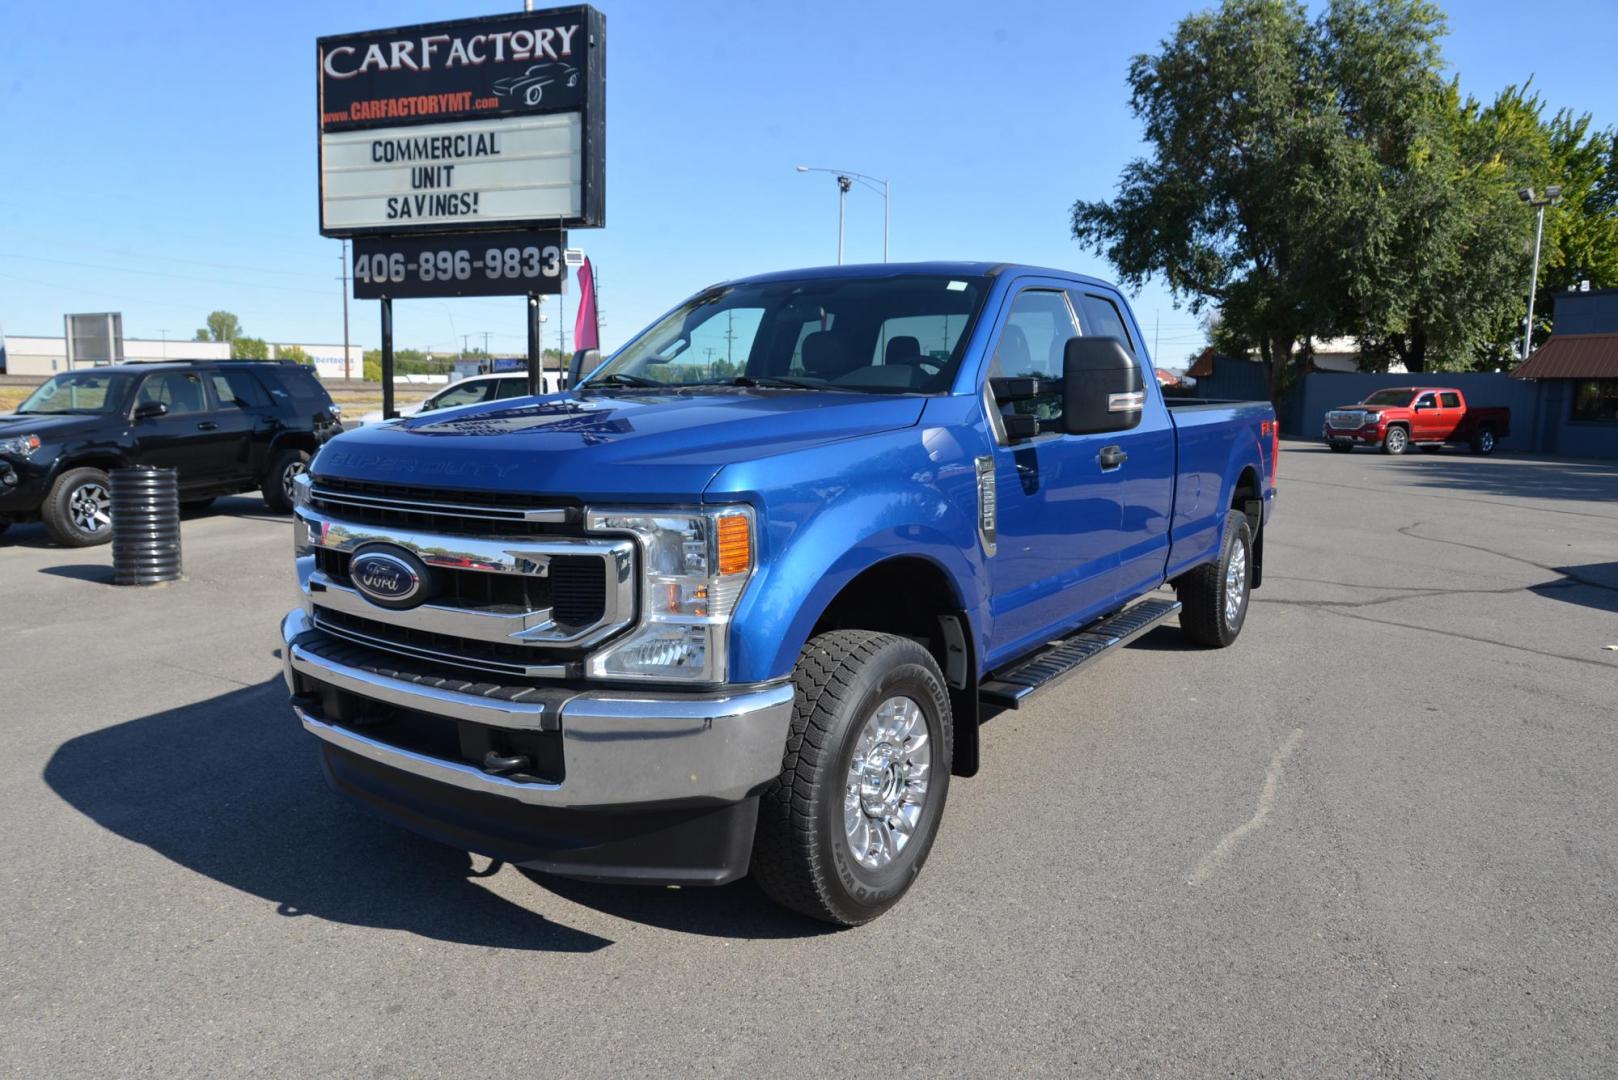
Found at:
<point>1376,836</point>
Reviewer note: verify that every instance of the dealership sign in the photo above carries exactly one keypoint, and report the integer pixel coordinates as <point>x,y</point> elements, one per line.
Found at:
<point>490,123</point>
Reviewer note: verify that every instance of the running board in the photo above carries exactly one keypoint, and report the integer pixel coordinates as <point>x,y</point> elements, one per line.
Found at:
<point>1007,687</point>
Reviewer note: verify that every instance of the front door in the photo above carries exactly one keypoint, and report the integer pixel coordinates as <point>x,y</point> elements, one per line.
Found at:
<point>1425,422</point>
<point>187,437</point>
<point>1058,518</point>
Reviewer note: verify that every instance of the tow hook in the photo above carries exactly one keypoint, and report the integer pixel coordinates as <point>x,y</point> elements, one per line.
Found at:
<point>500,764</point>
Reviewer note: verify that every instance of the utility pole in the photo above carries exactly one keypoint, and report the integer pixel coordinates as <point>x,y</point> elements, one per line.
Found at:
<point>1157,327</point>
<point>343,258</point>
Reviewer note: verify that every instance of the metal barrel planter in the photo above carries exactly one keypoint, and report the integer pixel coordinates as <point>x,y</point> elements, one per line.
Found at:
<point>145,526</point>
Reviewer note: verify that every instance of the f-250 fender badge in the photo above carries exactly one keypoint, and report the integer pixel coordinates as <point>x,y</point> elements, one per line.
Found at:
<point>986,503</point>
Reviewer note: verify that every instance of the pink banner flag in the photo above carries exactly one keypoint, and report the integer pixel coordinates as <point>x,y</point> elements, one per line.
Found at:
<point>586,333</point>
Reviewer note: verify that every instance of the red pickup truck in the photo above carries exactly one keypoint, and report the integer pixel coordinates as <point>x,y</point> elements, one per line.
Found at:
<point>1426,416</point>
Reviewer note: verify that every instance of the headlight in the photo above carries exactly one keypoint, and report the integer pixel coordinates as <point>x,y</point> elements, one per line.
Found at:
<point>1370,418</point>
<point>21,446</point>
<point>693,567</point>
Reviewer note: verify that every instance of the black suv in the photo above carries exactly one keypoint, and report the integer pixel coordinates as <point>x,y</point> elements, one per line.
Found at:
<point>228,426</point>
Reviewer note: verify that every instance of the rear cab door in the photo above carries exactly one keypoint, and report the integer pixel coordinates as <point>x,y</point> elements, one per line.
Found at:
<point>1451,416</point>
<point>1143,483</point>
<point>245,417</point>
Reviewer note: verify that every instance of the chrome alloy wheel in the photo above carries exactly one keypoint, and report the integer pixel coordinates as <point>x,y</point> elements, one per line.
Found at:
<point>887,783</point>
<point>1235,584</point>
<point>1486,440</point>
<point>90,508</point>
<point>289,487</point>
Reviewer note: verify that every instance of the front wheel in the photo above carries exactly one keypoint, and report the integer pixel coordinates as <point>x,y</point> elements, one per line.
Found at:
<point>278,482</point>
<point>78,510</point>
<point>1396,441</point>
<point>844,831</point>
<point>1213,597</point>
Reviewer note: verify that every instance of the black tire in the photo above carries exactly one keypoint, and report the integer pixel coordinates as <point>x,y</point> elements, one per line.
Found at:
<point>1396,440</point>
<point>66,510</point>
<point>802,856</point>
<point>1204,615</point>
<point>1484,441</point>
<point>1341,447</point>
<point>193,505</point>
<point>284,466</point>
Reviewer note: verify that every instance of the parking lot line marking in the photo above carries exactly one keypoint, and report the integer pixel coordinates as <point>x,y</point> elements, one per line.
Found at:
<point>1266,799</point>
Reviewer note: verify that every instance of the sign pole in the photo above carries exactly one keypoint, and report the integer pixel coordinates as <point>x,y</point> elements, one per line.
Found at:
<point>534,364</point>
<point>388,411</point>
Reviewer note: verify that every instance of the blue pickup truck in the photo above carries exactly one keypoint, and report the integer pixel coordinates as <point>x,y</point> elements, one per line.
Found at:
<point>739,601</point>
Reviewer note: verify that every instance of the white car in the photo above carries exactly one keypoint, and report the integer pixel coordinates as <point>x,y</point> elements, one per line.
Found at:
<point>472,391</point>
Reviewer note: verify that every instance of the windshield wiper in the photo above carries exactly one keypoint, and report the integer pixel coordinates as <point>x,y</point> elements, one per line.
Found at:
<point>780,380</point>
<point>618,378</point>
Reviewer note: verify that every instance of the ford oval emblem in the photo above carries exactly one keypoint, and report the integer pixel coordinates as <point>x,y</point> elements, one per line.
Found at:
<point>388,578</point>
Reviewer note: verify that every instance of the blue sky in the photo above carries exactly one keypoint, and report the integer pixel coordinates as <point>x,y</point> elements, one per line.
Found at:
<point>159,160</point>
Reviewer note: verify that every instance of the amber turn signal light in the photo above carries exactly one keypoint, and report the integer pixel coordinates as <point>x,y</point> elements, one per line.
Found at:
<point>735,544</point>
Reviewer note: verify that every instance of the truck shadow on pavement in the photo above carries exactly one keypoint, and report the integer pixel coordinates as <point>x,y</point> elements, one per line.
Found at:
<point>231,788</point>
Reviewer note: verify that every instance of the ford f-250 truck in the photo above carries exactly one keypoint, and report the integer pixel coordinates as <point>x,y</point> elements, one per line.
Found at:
<point>1400,417</point>
<point>739,600</point>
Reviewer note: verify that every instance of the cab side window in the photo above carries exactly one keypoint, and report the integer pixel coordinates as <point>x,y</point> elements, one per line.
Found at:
<point>1451,401</point>
<point>515,388</point>
<point>1102,319</point>
<point>181,391</point>
<point>1035,336</point>
<point>1426,401</point>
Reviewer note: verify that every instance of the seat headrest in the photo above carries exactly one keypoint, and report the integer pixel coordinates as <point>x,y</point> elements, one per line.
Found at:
<point>903,350</point>
<point>826,355</point>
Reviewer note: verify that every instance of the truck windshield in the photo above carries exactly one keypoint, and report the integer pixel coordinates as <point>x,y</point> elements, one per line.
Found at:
<point>902,334</point>
<point>79,392</point>
<point>1389,397</point>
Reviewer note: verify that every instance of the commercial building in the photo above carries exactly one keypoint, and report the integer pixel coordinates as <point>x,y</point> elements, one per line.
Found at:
<point>1577,374</point>
<point>43,356</point>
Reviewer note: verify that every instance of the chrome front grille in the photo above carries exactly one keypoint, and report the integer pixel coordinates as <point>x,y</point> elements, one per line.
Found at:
<point>503,598</point>
<point>1345,419</point>
<point>431,509</point>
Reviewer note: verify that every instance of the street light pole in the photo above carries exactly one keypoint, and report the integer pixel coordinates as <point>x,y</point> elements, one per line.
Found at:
<point>845,181</point>
<point>1553,195</point>
<point>843,184</point>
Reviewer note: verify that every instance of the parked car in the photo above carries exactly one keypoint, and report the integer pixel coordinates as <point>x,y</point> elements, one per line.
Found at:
<point>1400,417</point>
<point>735,602</point>
<point>472,391</point>
<point>227,426</point>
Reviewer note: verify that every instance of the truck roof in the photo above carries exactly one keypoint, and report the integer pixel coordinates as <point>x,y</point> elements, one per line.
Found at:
<point>940,268</point>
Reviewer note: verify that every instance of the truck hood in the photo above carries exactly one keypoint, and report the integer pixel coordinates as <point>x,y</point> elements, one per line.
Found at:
<point>48,426</point>
<point>639,446</point>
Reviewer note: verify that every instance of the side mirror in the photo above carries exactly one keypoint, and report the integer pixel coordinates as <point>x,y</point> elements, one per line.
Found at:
<point>1101,387</point>
<point>583,363</point>
<point>150,410</point>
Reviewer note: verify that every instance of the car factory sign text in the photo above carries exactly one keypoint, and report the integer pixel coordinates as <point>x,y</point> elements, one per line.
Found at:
<point>476,124</point>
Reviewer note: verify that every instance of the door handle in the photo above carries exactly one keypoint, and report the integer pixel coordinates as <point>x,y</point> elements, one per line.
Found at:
<point>207,425</point>
<point>1111,457</point>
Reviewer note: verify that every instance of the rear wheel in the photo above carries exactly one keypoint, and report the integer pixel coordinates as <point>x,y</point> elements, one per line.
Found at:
<point>845,829</point>
<point>1483,441</point>
<point>278,482</point>
<point>1214,596</point>
<point>78,510</point>
<point>1396,441</point>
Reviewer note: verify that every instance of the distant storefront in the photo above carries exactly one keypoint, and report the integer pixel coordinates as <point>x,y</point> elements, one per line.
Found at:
<point>1577,372</point>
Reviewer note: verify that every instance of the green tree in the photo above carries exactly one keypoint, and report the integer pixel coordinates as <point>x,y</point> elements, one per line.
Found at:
<point>249,348</point>
<point>1270,138</point>
<point>294,353</point>
<point>222,326</point>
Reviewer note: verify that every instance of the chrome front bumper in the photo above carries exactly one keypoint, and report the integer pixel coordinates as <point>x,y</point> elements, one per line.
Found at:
<point>620,748</point>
